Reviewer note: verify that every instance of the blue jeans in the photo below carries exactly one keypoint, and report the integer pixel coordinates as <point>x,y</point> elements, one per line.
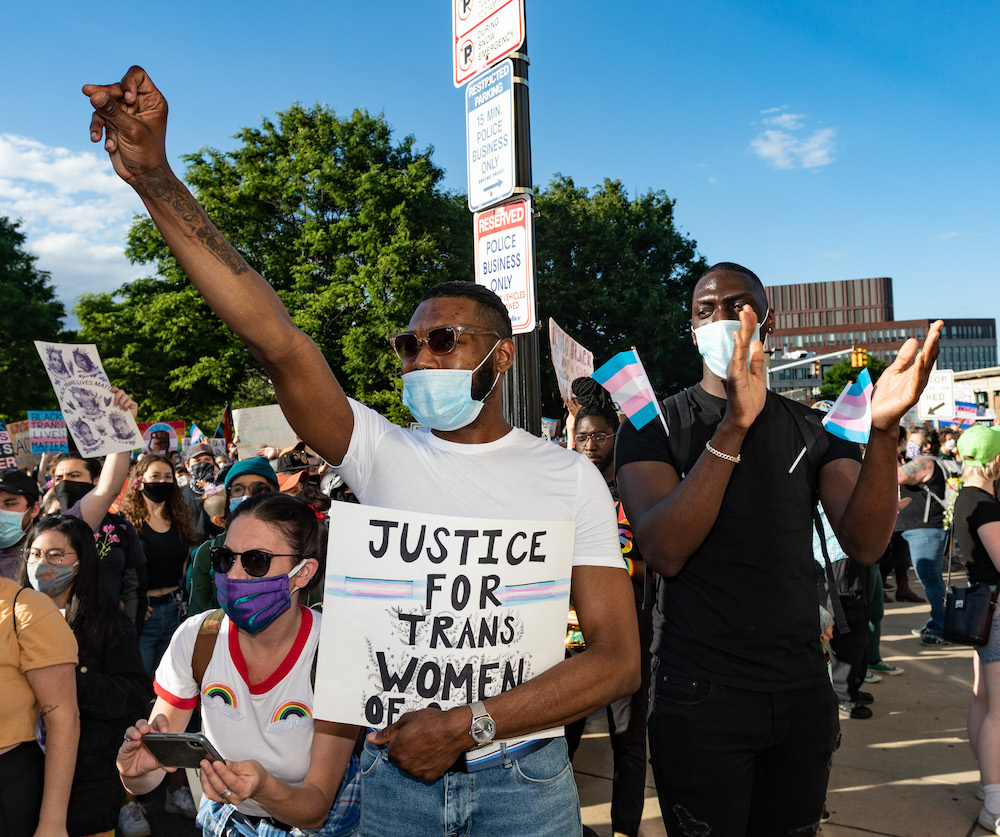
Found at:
<point>731,761</point>
<point>927,555</point>
<point>156,634</point>
<point>533,796</point>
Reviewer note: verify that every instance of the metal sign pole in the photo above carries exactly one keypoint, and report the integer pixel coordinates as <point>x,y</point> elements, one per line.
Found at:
<point>522,397</point>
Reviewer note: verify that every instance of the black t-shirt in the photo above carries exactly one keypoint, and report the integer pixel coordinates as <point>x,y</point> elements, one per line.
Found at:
<point>973,508</point>
<point>922,504</point>
<point>743,610</point>
<point>165,555</point>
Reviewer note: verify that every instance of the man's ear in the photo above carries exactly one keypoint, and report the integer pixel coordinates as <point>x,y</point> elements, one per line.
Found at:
<point>505,354</point>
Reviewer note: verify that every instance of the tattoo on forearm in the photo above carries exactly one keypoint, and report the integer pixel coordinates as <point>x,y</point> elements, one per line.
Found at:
<point>180,200</point>
<point>48,708</point>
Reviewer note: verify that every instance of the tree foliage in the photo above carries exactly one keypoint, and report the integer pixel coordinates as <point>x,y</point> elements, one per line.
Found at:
<point>29,312</point>
<point>348,225</point>
<point>615,272</point>
<point>840,374</point>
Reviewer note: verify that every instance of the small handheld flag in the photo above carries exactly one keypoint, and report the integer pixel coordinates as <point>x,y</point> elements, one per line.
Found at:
<point>850,417</point>
<point>197,437</point>
<point>625,379</point>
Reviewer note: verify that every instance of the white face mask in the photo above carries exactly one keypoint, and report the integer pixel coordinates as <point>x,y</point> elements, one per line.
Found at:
<point>717,341</point>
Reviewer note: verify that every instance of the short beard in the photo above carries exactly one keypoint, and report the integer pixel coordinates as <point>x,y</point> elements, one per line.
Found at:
<point>482,380</point>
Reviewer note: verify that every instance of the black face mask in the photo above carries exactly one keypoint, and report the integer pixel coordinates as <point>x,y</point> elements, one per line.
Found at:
<point>70,493</point>
<point>158,492</point>
<point>314,479</point>
<point>202,471</point>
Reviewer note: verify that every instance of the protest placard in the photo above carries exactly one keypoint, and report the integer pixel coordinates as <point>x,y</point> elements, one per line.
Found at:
<point>161,436</point>
<point>427,610</point>
<point>22,444</point>
<point>258,427</point>
<point>7,458</point>
<point>47,431</point>
<point>570,359</point>
<point>97,426</point>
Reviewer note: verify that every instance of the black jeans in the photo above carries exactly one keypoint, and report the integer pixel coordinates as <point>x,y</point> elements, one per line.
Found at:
<point>21,774</point>
<point>732,761</point>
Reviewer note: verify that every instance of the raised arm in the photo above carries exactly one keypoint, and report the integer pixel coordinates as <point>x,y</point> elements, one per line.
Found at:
<point>131,115</point>
<point>672,517</point>
<point>96,503</point>
<point>861,501</point>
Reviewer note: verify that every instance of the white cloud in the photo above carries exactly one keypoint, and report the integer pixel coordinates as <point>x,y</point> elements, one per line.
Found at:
<point>785,143</point>
<point>946,235</point>
<point>835,254</point>
<point>74,210</point>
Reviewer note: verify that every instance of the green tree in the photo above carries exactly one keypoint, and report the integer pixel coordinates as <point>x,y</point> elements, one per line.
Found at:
<point>30,311</point>
<point>614,272</point>
<point>840,374</point>
<point>348,225</point>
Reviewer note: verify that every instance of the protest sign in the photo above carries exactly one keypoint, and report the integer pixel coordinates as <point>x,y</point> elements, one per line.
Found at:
<point>570,359</point>
<point>47,431</point>
<point>7,458</point>
<point>429,610</point>
<point>161,436</point>
<point>258,427</point>
<point>22,444</point>
<point>97,426</point>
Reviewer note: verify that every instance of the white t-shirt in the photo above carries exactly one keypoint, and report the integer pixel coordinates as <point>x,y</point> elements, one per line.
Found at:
<point>518,477</point>
<point>271,722</point>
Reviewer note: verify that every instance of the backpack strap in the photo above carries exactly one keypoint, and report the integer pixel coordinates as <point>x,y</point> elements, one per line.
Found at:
<point>13,612</point>
<point>204,644</point>
<point>678,415</point>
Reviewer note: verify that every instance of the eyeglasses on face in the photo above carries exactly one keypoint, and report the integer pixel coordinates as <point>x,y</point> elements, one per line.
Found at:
<point>440,340</point>
<point>600,438</point>
<point>50,556</point>
<point>251,490</point>
<point>256,562</point>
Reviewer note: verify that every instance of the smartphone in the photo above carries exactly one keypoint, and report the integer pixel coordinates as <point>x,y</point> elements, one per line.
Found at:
<point>180,749</point>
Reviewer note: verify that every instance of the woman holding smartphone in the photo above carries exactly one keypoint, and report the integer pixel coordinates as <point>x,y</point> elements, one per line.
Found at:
<point>283,768</point>
<point>61,561</point>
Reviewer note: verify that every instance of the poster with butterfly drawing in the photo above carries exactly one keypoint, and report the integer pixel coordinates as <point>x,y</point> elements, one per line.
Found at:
<point>97,426</point>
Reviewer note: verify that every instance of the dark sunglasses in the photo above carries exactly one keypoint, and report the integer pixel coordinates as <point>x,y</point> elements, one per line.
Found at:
<point>440,341</point>
<point>256,562</point>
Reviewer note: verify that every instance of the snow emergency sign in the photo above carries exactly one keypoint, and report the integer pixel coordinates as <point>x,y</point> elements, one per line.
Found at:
<point>503,259</point>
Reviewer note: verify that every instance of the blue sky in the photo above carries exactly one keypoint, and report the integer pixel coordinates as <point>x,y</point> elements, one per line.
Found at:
<point>809,141</point>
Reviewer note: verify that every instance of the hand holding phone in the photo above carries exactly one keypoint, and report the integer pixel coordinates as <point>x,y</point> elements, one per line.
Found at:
<point>180,749</point>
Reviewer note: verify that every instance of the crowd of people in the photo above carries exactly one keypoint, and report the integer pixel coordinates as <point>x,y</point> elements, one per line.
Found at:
<point>181,602</point>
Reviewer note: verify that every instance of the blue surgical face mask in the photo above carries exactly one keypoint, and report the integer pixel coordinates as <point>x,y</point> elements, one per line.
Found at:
<point>10,528</point>
<point>235,501</point>
<point>441,399</point>
<point>716,342</point>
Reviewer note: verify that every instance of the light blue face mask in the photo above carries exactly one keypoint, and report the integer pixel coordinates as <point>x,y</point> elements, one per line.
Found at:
<point>10,528</point>
<point>235,501</point>
<point>441,399</point>
<point>716,342</point>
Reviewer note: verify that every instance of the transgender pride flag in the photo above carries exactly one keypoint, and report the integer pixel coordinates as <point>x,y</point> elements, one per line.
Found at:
<point>624,377</point>
<point>850,417</point>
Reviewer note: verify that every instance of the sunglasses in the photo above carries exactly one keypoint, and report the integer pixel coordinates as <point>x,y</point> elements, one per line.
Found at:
<point>440,341</point>
<point>256,562</point>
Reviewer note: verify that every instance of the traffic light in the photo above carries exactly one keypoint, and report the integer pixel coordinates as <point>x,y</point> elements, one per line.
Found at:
<point>859,358</point>
<point>816,370</point>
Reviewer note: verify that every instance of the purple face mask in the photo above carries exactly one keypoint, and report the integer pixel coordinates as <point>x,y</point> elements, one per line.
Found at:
<point>254,603</point>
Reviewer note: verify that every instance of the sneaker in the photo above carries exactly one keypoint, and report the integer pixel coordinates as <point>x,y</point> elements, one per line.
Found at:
<point>854,711</point>
<point>989,821</point>
<point>882,667</point>
<point>920,632</point>
<point>932,641</point>
<point>825,816</point>
<point>872,677</point>
<point>180,802</point>
<point>132,821</point>
<point>864,697</point>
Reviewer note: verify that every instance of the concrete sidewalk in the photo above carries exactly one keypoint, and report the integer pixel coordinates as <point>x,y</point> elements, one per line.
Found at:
<point>906,772</point>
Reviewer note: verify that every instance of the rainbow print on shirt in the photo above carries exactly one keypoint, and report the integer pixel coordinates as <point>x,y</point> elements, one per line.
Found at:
<point>292,714</point>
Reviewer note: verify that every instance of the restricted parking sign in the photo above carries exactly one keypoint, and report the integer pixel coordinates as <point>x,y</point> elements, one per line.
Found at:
<point>489,135</point>
<point>503,259</point>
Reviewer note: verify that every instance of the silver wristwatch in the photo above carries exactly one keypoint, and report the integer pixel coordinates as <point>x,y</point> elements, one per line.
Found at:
<point>483,727</point>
